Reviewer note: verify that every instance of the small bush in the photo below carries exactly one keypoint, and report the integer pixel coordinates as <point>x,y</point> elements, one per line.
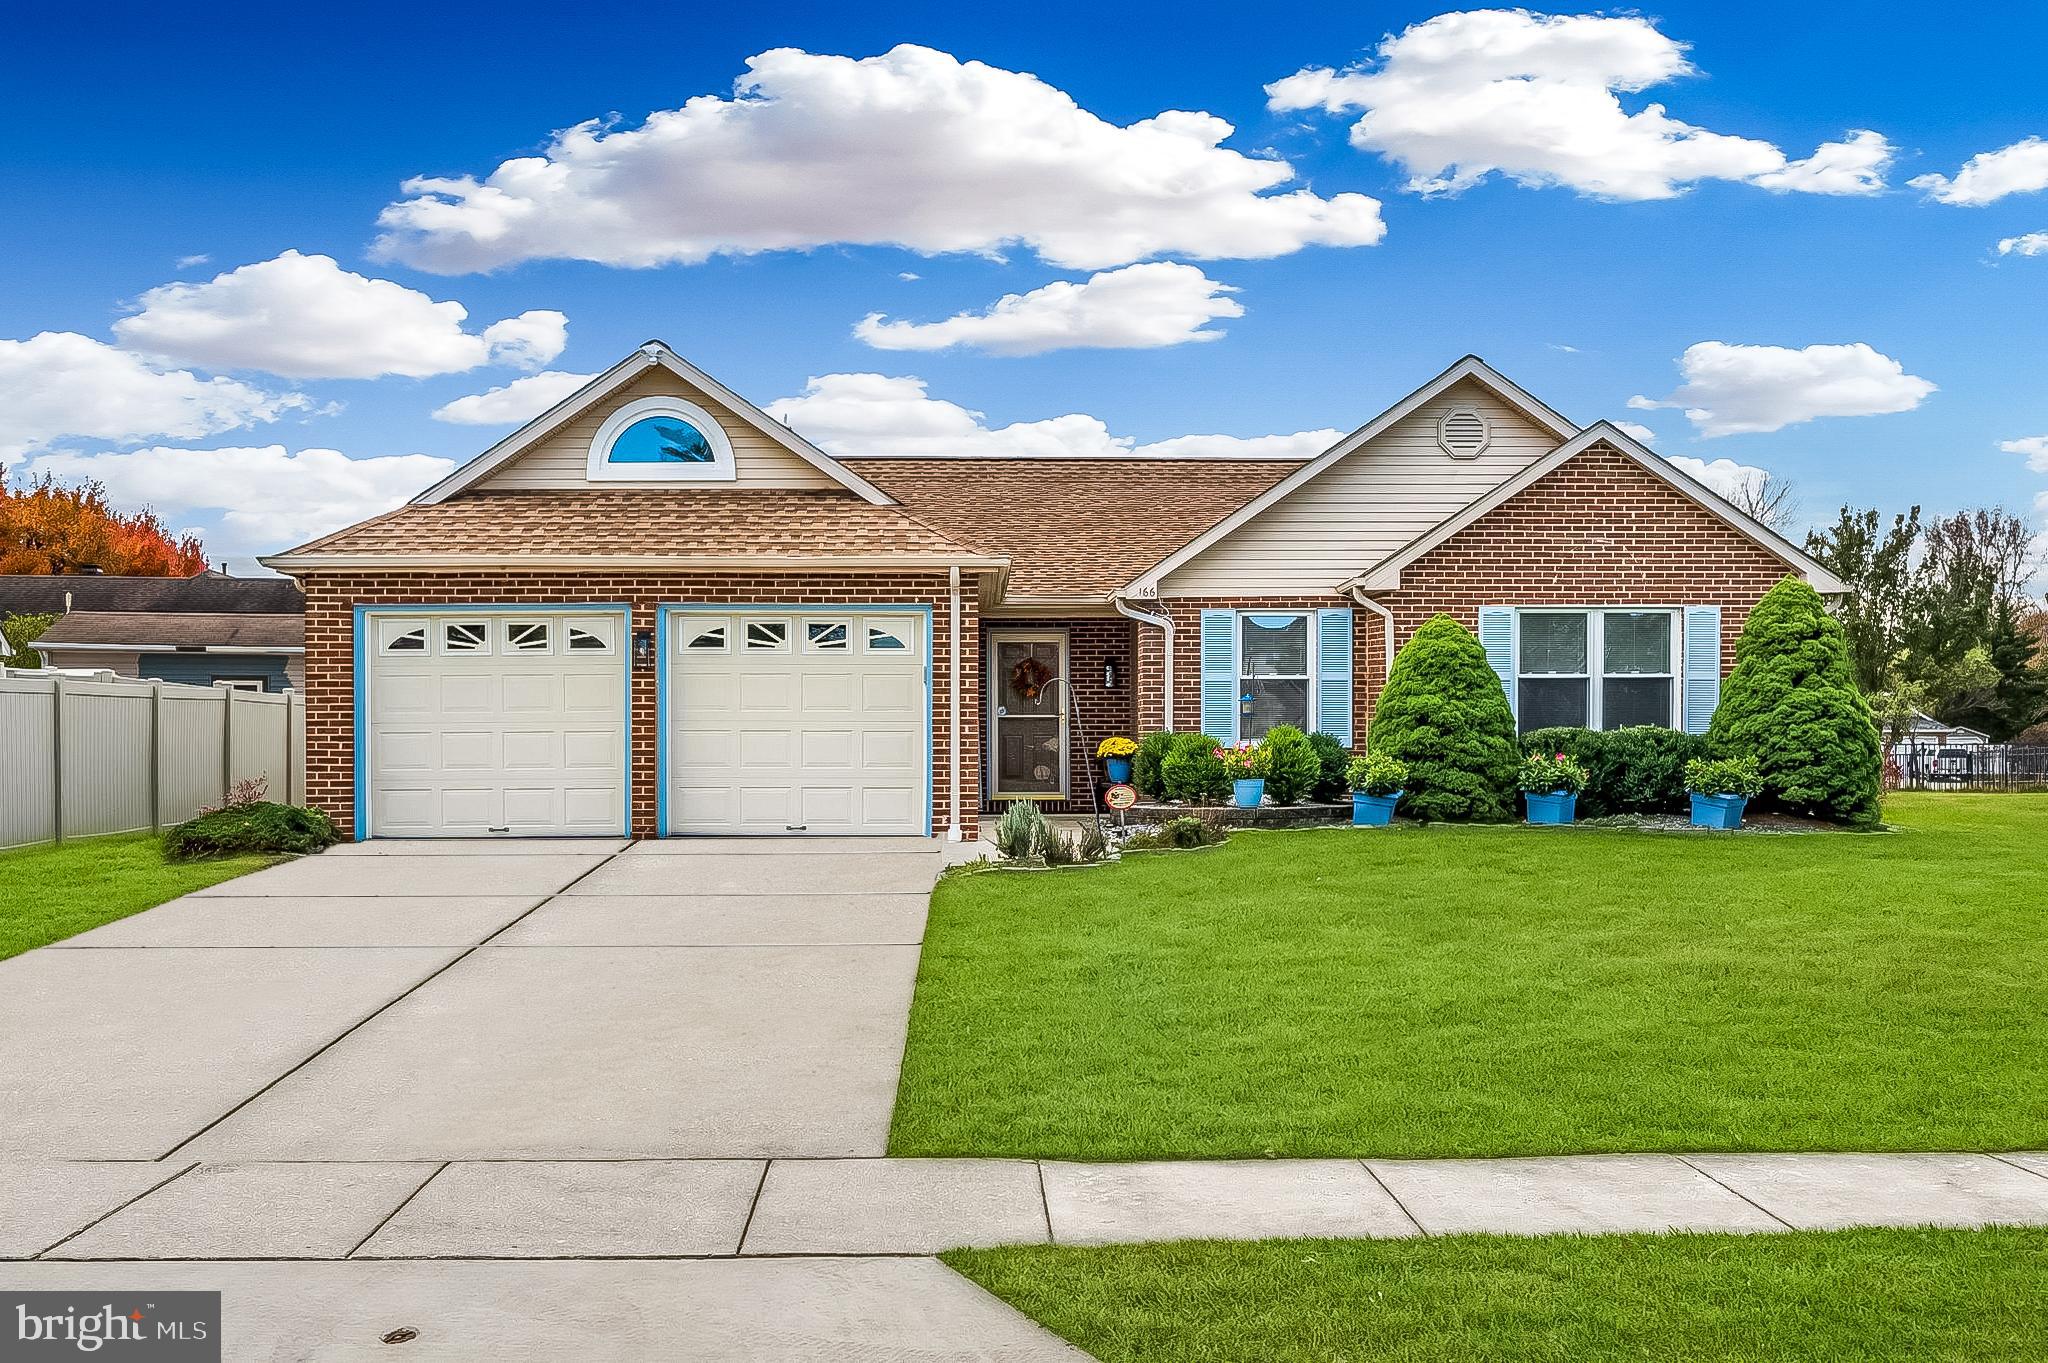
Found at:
<point>1543,773</point>
<point>1243,760</point>
<point>1187,830</point>
<point>1443,712</point>
<point>1152,750</point>
<point>1335,759</point>
<point>1292,767</point>
<point>1723,776</point>
<point>1376,774</point>
<point>1638,770</point>
<point>259,826</point>
<point>1192,771</point>
<point>1054,847</point>
<point>1792,704</point>
<point>1020,828</point>
<point>1094,844</point>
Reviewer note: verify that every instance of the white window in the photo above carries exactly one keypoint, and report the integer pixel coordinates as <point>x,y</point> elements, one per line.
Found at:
<point>767,636</point>
<point>465,636</point>
<point>660,439</point>
<point>706,636</point>
<point>527,636</point>
<point>240,683</point>
<point>1596,669</point>
<point>824,636</point>
<point>886,637</point>
<point>395,636</point>
<point>1275,661</point>
<point>590,636</point>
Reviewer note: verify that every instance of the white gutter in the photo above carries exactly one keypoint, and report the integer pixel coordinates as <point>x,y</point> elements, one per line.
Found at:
<point>1164,623</point>
<point>953,696</point>
<point>1387,619</point>
<point>456,562</point>
<point>176,648</point>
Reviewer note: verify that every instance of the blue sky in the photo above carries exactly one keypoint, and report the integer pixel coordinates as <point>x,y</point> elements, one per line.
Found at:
<point>1588,276</point>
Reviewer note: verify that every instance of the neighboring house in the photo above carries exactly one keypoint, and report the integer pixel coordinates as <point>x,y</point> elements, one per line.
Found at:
<point>204,630</point>
<point>655,610</point>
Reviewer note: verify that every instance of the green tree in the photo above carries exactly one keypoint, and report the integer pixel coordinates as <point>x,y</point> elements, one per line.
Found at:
<point>1877,564</point>
<point>1444,714</point>
<point>1792,703</point>
<point>2015,693</point>
<point>17,632</point>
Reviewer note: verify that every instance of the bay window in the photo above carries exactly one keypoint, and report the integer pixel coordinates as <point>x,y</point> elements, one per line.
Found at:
<point>1275,659</point>
<point>1596,669</point>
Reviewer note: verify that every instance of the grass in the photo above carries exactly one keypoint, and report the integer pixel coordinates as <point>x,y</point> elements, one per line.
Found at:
<point>1842,1296</point>
<point>1497,991</point>
<point>52,892</point>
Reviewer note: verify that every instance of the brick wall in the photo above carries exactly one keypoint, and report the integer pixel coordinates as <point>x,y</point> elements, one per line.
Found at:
<point>1099,711</point>
<point>1598,531</point>
<point>330,658</point>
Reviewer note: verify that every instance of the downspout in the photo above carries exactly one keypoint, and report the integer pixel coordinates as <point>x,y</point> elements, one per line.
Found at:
<point>1163,623</point>
<point>953,698</point>
<point>1387,619</point>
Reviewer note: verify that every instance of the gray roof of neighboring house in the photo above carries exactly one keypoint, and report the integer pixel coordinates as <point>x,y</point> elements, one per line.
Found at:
<point>208,593</point>
<point>177,629</point>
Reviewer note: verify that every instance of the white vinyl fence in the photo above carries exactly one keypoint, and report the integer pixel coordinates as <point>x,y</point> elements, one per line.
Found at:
<point>83,757</point>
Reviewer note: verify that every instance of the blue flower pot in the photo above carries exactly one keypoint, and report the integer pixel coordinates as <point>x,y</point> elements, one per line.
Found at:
<point>1249,790</point>
<point>1119,769</point>
<point>1373,811</point>
<point>1718,811</point>
<point>1552,806</point>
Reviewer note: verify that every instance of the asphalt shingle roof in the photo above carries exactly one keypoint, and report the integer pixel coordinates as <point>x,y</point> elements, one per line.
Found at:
<point>234,629</point>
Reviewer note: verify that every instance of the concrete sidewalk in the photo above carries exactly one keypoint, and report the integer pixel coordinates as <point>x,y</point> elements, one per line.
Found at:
<point>727,1208</point>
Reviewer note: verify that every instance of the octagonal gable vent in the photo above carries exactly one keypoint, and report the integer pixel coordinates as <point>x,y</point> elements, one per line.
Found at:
<point>1462,432</point>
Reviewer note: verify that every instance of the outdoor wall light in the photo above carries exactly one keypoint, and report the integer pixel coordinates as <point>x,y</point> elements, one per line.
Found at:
<point>643,648</point>
<point>1109,675</point>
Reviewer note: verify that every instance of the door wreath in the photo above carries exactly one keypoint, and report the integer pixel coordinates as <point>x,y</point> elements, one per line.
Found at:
<point>1029,677</point>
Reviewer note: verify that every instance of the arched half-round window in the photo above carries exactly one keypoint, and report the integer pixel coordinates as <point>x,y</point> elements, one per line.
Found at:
<point>661,440</point>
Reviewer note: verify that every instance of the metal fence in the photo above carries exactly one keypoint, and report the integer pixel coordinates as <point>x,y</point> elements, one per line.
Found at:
<point>85,757</point>
<point>1983,766</point>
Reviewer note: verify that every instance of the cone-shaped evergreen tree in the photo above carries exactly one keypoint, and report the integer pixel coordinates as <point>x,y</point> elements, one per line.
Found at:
<point>1792,704</point>
<point>1443,713</point>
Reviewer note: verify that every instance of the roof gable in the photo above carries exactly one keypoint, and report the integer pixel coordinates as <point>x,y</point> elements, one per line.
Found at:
<point>1470,369</point>
<point>1386,574</point>
<point>655,368</point>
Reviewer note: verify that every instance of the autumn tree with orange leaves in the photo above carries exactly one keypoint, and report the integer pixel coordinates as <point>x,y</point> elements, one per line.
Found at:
<point>49,528</point>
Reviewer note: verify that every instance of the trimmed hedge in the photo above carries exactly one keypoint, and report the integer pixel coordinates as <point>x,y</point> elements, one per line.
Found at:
<point>1638,770</point>
<point>1152,750</point>
<point>1192,771</point>
<point>1332,782</point>
<point>1443,713</point>
<point>1792,703</point>
<point>1292,767</point>
<point>260,826</point>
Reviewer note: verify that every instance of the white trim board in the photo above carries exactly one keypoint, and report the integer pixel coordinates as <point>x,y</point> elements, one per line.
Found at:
<point>1385,576</point>
<point>618,376</point>
<point>1146,586</point>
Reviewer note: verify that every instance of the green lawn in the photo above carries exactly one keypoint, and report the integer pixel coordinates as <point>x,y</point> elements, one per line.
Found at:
<point>1840,1296</point>
<point>50,893</point>
<point>1493,991</point>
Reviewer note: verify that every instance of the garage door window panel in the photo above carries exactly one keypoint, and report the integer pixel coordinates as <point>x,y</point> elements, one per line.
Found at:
<point>465,636</point>
<point>705,636</point>
<point>767,636</point>
<point>529,636</point>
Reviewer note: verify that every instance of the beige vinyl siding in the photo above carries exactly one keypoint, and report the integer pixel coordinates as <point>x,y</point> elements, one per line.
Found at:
<point>1368,504</point>
<point>559,461</point>
<point>121,662</point>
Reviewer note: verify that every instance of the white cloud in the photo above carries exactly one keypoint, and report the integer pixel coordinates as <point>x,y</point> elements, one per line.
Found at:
<point>856,415</point>
<point>909,276</point>
<point>260,498</point>
<point>518,401</point>
<point>1989,176</point>
<point>1737,389</point>
<point>2031,244</point>
<point>1535,97</point>
<point>187,262</point>
<point>57,384</point>
<point>1137,307</point>
<point>1637,430</point>
<point>307,318</point>
<point>912,148</point>
<point>1734,482</point>
<point>2034,447</point>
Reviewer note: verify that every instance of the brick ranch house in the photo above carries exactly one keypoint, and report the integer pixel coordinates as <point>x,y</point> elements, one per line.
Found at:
<point>655,611</point>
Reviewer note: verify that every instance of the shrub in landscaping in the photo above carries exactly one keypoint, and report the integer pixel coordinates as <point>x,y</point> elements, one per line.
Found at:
<point>1020,828</point>
<point>1292,767</point>
<point>1192,771</point>
<point>1094,843</point>
<point>1376,774</point>
<point>1444,714</point>
<point>1723,776</point>
<point>1152,750</point>
<point>1637,770</point>
<point>1793,705</point>
<point>1547,773</point>
<point>257,826</point>
<point>1054,847</point>
<point>1335,761</point>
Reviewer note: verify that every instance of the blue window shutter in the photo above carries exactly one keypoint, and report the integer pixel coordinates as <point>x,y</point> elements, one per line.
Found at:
<point>1219,675</point>
<point>1702,666</point>
<point>1497,637</point>
<point>1333,674</point>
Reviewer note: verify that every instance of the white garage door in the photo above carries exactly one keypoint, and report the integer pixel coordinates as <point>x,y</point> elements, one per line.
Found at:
<point>483,723</point>
<point>797,723</point>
